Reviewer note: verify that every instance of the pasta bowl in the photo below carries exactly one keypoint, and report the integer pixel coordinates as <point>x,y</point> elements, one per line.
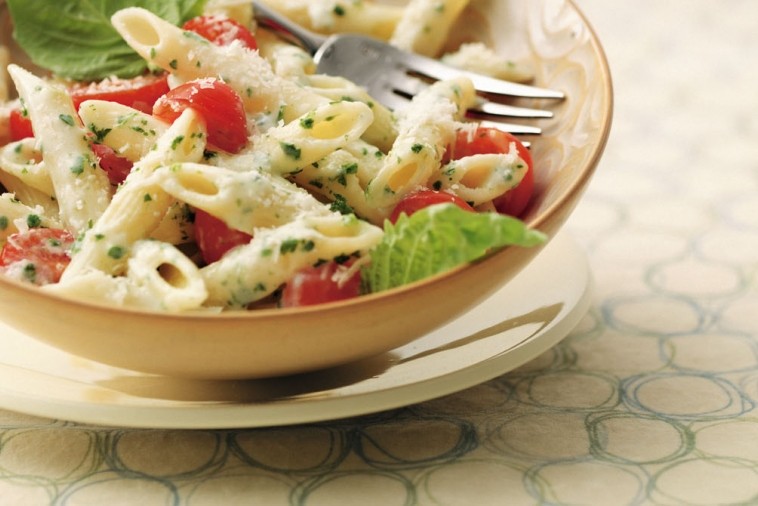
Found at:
<point>564,53</point>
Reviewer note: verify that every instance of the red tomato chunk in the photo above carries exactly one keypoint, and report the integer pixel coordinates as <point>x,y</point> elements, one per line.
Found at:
<point>320,284</point>
<point>217,103</point>
<point>38,255</point>
<point>214,237</point>
<point>221,31</point>
<point>138,92</point>
<point>423,198</point>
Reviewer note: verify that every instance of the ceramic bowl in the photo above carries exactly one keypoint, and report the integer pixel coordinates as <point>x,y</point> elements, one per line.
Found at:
<point>565,54</point>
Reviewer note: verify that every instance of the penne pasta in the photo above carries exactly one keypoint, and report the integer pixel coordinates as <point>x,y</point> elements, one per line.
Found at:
<point>188,56</point>
<point>331,16</point>
<point>249,273</point>
<point>81,188</point>
<point>425,25</point>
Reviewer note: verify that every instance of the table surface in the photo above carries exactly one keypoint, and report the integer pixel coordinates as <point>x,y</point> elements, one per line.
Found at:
<point>650,400</point>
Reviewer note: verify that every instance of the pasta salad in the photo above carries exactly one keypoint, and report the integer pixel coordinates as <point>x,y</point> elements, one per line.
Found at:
<point>193,162</point>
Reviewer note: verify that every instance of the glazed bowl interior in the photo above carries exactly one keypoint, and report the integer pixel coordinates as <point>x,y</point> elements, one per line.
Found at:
<point>565,54</point>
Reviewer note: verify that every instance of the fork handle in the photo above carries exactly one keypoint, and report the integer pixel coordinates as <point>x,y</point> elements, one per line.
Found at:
<point>287,29</point>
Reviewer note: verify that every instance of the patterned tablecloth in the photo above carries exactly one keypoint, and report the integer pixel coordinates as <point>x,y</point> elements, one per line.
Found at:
<point>651,400</point>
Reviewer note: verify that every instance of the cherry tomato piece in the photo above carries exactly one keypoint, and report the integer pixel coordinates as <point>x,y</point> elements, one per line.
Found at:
<point>139,92</point>
<point>221,31</point>
<point>20,125</point>
<point>214,237</point>
<point>424,198</point>
<point>491,140</point>
<point>217,103</point>
<point>115,166</point>
<point>40,254</point>
<point>320,284</point>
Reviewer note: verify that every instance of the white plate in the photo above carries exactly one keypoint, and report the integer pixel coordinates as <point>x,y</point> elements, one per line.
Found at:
<point>529,315</point>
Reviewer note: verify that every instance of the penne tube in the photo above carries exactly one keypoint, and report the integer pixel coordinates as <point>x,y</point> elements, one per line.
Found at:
<point>245,201</point>
<point>23,160</point>
<point>188,56</point>
<point>129,132</point>
<point>479,179</point>
<point>81,188</point>
<point>251,272</point>
<point>425,25</point>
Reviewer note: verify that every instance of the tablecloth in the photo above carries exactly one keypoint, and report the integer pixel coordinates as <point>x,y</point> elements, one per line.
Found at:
<point>650,400</point>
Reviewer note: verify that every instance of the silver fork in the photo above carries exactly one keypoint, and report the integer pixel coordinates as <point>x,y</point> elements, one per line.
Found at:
<point>390,75</point>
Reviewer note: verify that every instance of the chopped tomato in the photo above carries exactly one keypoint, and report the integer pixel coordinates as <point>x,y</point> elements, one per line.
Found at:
<point>20,125</point>
<point>217,103</point>
<point>115,166</point>
<point>320,284</point>
<point>138,92</point>
<point>424,198</point>
<point>491,140</point>
<point>39,255</point>
<point>221,30</point>
<point>214,237</point>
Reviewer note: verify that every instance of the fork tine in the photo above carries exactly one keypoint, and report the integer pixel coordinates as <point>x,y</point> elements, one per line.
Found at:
<point>514,128</point>
<point>409,86</point>
<point>485,84</point>
<point>485,107</point>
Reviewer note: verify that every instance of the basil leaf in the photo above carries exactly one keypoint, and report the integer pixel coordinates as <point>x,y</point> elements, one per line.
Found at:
<point>76,39</point>
<point>438,238</point>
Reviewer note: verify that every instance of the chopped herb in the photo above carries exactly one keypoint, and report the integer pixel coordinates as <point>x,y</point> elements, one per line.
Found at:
<point>99,237</point>
<point>351,168</point>
<point>266,252</point>
<point>78,167</point>
<point>4,222</point>
<point>30,272</point>
<point>33,221</point>
<point>316,183</point>
<point>340,205</point>
<point>147,198</point>
<point>339,10</point>
<point>416,148</point>
<point>116,252</point>
<point>308,245</point>
<point>437,185</point>
<point>341,259</point>
<point>290,150</point>
<point>67,119</point>
<point>289,246</point>
<point>346,169</point>
<point>307,122</point>
<point>177,140</point>
<point>173,64</point>
<point>99,133</point>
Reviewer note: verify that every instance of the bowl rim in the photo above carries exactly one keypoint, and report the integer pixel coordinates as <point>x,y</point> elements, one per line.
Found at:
<point>567,198</point>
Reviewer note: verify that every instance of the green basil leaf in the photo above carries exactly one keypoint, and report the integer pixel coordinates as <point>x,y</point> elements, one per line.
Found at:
<point>76,39</point>
<point>438,238</point>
